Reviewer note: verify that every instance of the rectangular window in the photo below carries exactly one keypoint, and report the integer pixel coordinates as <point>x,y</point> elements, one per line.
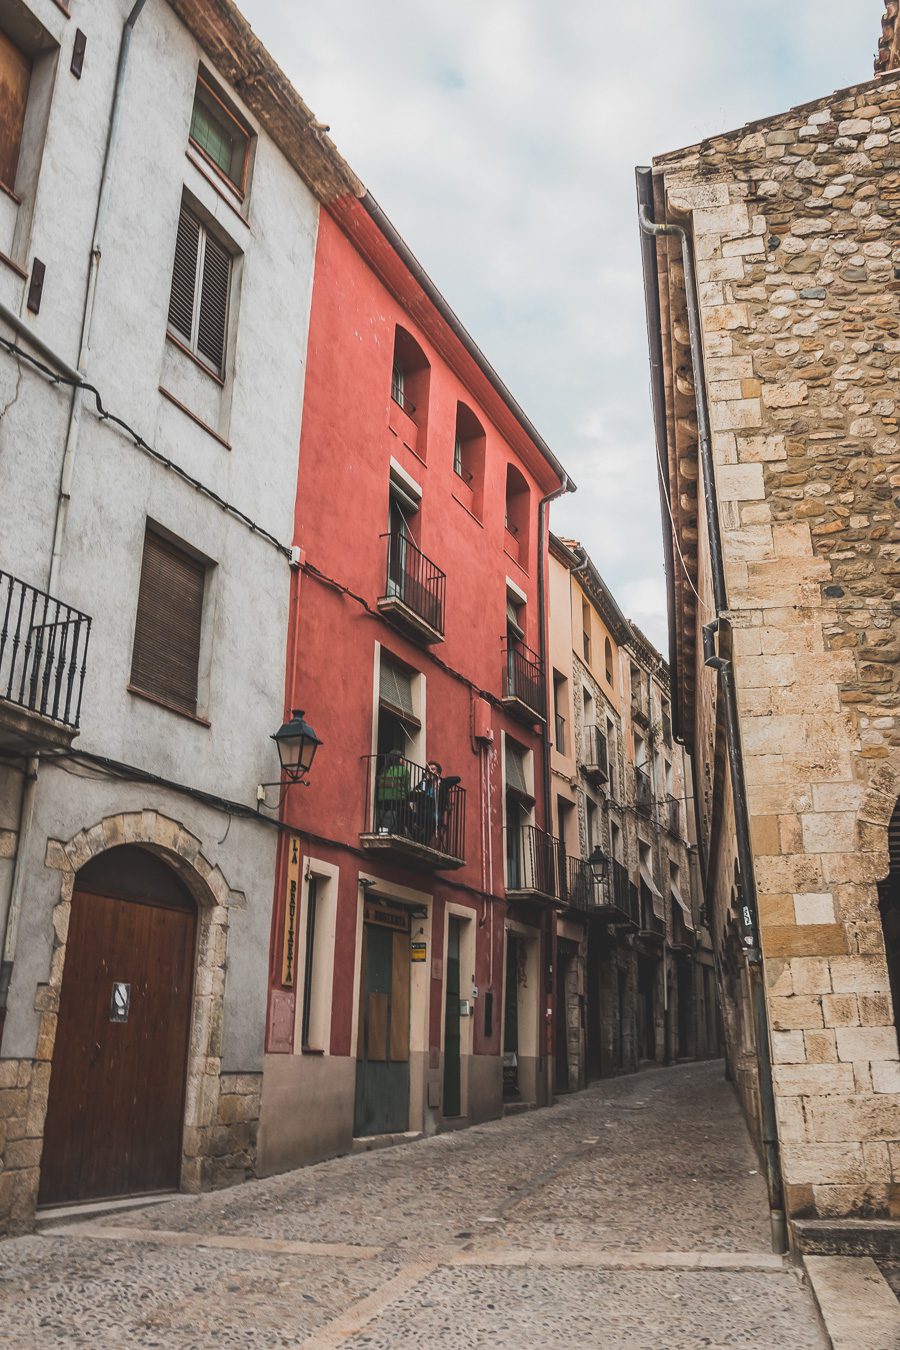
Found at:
<point>308,963</point>
<point>15,79</point>
<point>201,282</point>
<point>220,137</point>
<point>166,655</point>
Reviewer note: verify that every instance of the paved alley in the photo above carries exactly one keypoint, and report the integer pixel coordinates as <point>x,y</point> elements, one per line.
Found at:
<point>631,1215</point>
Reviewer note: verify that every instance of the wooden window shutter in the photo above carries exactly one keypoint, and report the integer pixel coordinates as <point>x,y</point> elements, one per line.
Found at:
<point>184,275</point>
<point>515,770</point>
<point>395,691</point>
<point>166,652</point>
<point>213,317</point>
<point>15,79</point>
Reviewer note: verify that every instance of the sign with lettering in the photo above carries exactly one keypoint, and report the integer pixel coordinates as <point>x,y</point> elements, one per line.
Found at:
<point>291,913</point>
<point>377,912</point>
<point>418,951</point>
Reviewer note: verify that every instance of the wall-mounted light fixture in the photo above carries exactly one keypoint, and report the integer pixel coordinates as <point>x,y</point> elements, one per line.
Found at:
<point>297,745</point>
<point>598,862</point>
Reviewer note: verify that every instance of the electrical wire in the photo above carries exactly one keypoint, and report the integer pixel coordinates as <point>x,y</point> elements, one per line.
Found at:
<point>106,416</point>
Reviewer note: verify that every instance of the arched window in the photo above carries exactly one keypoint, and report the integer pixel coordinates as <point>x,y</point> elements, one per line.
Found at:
<point>608,661</point>
<point>410,379</point>
<point>468,458</point>
<point>517,512</point>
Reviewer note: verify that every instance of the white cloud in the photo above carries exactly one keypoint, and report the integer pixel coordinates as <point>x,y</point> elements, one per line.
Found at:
<point>501,138</point>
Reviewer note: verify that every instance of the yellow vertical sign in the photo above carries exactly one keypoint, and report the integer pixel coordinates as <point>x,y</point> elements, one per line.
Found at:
<point>291,912</point>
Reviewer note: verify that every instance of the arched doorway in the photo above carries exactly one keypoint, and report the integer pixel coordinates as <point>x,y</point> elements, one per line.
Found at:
<point>116,1102</point>
<point>889,905</point>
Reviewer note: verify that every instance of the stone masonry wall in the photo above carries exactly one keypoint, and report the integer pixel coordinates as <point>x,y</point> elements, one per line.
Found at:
<point>796,223</point>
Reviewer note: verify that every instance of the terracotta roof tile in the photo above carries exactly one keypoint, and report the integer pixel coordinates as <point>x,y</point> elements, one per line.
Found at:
<point>888,57</point>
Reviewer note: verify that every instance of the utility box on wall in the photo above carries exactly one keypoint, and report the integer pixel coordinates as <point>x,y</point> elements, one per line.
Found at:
<point>483,729</point>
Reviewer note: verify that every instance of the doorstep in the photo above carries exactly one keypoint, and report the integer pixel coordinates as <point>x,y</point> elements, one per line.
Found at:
<point>94,1209</point>
<point>517,1108</point>
<point>368,1143</point>
<point>858,1308</point>
<point>847,1237</point>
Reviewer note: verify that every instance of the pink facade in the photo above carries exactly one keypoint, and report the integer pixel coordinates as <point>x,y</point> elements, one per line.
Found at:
<point>411,460</point>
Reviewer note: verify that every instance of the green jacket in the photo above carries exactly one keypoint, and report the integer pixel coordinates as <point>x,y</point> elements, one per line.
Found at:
<point>392,784</point>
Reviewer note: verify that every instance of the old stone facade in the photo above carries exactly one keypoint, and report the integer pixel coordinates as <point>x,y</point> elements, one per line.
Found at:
<point>793,227</point>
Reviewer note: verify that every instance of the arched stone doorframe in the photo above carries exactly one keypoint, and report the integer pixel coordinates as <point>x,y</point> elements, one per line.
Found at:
<point>219,1137</point>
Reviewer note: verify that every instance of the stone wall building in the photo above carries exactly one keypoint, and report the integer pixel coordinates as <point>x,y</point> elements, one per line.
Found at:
<point>639,956</point>
<point>776,400</point>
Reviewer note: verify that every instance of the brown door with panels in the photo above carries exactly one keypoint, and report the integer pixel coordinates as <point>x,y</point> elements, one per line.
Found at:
<point>116,1105</point>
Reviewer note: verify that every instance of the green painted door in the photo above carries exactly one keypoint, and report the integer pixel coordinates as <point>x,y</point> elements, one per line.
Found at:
<point>452,1092</point>
<point>382,1066</point>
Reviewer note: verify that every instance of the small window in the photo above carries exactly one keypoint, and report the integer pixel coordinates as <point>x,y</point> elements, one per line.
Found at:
<point>517,515</point>
<point>515,765</point>
<point>219,136</point>
<point>201,282</point>
<point>166,655</point>
<point>468,455</point>
<point>608,661</point>
<point>586,630</point>
<point>15,80</point>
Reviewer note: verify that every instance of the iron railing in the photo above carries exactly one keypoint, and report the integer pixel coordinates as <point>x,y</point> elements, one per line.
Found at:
<point>670,814</point>
<point>402,399</point>
<point>523,675</point>
<point>623,894</point>
<point>405,801</point>
<point>531,860</point>
<point>643,789</point>
<point>43,651</point>
<point>580,886</point>
<point>596,751</point>
<point>560,733</point>
<point>415,580</point>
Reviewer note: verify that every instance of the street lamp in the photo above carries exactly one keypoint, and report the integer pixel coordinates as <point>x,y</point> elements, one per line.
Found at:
<point>297,745</point>
<point>598,862</point>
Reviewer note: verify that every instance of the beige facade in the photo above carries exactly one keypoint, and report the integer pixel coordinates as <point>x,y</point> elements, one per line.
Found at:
<point>792,226</point>
<point>633,952</point>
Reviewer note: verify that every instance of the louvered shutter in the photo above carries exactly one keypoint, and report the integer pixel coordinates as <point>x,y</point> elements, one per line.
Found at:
<point>213,318</point>
<point>167,631</point>
<point>184,275</point>
<point>395,691</point>
<point>15,80</point>
<point>515,770</point>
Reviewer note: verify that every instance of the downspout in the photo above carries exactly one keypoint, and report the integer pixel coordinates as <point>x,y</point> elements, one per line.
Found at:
<point>11,923</point>
<point>543,641</point>
<point>723,665</point>
<point>68,464</point>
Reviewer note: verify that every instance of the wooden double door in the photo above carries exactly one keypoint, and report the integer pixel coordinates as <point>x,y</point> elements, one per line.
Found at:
<point>382,1065</point>
<point>116,1103</point>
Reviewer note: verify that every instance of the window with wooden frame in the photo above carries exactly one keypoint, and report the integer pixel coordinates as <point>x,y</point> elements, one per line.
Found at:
<point>166,656</point>
<point>220,135</point>
<point>201,283</point>
<point>15,81</point>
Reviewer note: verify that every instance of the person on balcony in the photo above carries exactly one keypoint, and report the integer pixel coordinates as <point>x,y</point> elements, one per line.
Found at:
<point>392,790</point>
<point>426,798</point>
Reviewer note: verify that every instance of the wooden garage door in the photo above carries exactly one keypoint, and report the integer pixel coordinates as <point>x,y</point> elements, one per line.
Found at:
<point>115,1113</point>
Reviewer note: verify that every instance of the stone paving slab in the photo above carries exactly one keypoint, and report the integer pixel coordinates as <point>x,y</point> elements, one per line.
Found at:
<point>857,1304</point>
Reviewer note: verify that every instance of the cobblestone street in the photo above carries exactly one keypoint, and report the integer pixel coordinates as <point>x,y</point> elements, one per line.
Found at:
<point>631,1215</point>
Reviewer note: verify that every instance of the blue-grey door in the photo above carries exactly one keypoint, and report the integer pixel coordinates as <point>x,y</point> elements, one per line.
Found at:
<point>382,1066</point>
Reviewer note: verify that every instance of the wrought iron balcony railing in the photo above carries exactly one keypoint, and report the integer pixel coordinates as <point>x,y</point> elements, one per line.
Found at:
<point>623,894</point>
<point>415,582</point>
<point>413,813</point>
<point>643,790</point>
<point>670,814</point>
<point>43,652</point>
<point>532,858</point>
<point>523,678</point>
<point>596,753</point>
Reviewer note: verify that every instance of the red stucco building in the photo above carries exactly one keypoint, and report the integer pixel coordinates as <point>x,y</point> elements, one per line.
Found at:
<point>410,957</point>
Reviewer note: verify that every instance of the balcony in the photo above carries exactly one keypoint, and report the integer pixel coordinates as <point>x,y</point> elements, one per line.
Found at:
<point>622,902</point>
<point>651,925</point>
<point>43,660</point>
<point>670,815</point>
<point>414,591</point>
<point>643,790</point>
<point>524,694</point>
<point>531,864</point>
<point>596,754</point>
<point>640,705</point>
<point>412,818</point>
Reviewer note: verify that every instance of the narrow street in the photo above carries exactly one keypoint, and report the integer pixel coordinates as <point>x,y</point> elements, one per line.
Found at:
<point>631,1215</point>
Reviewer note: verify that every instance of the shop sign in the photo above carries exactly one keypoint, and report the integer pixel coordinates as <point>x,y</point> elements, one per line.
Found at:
<point>291,913</point>
<point>418,951</point>
<point>398,919</point>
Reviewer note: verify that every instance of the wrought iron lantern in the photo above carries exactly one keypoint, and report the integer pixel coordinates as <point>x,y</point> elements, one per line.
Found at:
<point>598,862</point>
<point>297,745</point>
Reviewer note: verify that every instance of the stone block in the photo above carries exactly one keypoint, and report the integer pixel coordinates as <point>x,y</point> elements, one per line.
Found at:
<point>796,1013</point>
<point>790,395</point>
<point>851,1119</point>
<point>9,1075</point>
<point>867,1043</point>
<point>875,1010</point>
<point>791,1120</point>
<point>788,1047</point>
<point>813,1080</point>
<point>764,835</point>
<point>726,220</point>
<point>840,1010</point>
<point>814,908</point>
<point>237,1108</point>
<point>820,1046</point>
<point>741,414</point>
<point>859,975</point>
<point>805,940</point>
<point>820,1164</point>
<point>23,1153</point>
<point>886,1079</point>
<point>13,1102</point>
<point>811,975</point>
<point>829,831</point>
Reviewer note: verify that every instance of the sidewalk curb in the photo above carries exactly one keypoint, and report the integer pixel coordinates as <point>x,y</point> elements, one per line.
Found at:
<point>856,1305</point>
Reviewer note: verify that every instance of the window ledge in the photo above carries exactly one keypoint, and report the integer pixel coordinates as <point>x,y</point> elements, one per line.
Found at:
<point>310,1050</point>
<point>513,558</point>
<point>63,8</point>
<point>467,509</point>
<point>176,342</point>
<point>7,191</point>
<point>169,707</point>
<point>195,418</point>
<point>13,266</point>
<point>195,156</point>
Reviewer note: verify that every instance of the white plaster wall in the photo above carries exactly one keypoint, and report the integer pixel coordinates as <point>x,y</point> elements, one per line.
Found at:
<point>117,487</point>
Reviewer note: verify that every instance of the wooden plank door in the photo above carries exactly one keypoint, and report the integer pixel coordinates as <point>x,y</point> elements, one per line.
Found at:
<point>116,1104</point>
<point>452,1037</point>
<point>382,1069</point>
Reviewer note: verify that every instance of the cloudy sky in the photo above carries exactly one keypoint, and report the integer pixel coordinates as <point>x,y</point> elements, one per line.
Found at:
<point>501,137</point>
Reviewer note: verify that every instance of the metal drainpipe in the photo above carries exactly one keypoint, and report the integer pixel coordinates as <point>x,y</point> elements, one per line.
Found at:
<point>749,908</point>
<point>68,464</point>
<point>543,618</point>
<point>11,925</point>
